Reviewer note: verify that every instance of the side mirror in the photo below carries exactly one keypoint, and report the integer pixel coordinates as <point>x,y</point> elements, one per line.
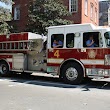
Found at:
<point>107,36</point>
<point>108,42</point>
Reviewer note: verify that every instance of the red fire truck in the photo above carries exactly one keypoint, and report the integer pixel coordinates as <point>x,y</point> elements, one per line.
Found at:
<point>72,61</point>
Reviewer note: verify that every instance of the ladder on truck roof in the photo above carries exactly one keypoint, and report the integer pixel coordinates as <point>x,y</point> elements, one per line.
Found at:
<point>22,45</point>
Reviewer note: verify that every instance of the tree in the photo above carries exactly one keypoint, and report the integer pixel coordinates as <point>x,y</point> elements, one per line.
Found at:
<point>4,17</point>
<point>45,13</point>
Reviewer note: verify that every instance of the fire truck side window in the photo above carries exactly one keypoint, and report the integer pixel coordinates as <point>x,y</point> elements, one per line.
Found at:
<point>90,37</point>
<point>8,45</point>
<point>70,40</point>
<point>57,40</point>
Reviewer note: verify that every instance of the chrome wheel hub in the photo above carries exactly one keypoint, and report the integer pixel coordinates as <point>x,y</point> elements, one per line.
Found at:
<point>2,69</point>
<point>71,73</point>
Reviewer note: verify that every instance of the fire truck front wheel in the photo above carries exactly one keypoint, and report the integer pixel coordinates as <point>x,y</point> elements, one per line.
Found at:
<point>4,68</point>
<point>72,73</point>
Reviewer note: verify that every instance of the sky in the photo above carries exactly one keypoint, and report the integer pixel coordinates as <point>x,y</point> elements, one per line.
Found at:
<point>4,5</point>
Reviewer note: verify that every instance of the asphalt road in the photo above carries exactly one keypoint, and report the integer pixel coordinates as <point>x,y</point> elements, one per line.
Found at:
<point>20,92</point>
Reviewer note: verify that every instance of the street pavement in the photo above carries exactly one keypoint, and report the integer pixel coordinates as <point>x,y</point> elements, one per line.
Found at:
<point>20,92</point>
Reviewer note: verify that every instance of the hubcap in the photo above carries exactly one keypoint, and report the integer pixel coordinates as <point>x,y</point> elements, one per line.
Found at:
<point>71,73</point>
<point>3,69</point>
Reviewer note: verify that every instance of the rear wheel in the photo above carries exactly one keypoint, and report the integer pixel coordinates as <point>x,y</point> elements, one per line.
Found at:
<point>72,73</point>
<point>4,68</point>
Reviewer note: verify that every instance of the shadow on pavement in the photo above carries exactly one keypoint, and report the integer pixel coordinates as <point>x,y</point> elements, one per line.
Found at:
<point>97,84</point>
<point>55,82</point>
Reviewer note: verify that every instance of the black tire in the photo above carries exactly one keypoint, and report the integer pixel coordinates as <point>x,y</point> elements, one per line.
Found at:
<point>4,69</point>
<point>72,73</point>
<point>60,77</point>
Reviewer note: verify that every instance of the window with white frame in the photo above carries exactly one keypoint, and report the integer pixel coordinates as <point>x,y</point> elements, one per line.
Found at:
<point>86,7</point>
<point>73,5</point>
<point>17,13</point>
<point>95,15</point>
<point>91,14</point>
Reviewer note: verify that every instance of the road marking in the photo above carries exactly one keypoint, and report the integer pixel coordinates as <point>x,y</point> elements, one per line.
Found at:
<point>11,85</point>
<point>1,79</point>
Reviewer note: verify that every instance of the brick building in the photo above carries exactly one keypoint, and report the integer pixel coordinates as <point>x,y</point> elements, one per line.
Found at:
<point>83,11</point>
<point>20,12</point>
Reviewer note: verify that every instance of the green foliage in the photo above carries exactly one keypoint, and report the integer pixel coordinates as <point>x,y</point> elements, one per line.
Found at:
<point>5,16</point>
<point>6,1</point>
<point>45,13</point>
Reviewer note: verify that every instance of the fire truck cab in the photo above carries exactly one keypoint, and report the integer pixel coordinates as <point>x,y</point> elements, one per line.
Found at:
<point>75,59</point>
<point>65,52</point>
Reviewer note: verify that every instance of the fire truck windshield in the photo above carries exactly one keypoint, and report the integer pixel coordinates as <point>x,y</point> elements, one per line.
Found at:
<point>107,38</point>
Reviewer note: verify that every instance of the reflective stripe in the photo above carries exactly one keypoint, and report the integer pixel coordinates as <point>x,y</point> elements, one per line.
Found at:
<point>55,60</point>
<point>9,59</point>
<point>93,61</point>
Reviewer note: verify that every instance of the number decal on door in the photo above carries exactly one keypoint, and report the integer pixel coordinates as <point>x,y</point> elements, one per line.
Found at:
<point>56,54</point>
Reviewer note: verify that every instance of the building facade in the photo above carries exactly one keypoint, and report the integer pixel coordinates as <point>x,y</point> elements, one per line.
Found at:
<point>82,11</point>
<point>20,14</point>
<point>103,13</point>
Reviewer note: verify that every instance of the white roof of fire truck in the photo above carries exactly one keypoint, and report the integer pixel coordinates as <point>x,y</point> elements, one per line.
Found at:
<point>36,36</point>
<point>30,35</point>
<point>78,27</point>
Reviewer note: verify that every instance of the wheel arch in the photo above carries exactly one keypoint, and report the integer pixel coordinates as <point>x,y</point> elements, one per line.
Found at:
<point>72,60</point>
<point>4,60</point>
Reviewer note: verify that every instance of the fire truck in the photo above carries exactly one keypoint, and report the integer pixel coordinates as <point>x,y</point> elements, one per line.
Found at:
<point>72,62</point>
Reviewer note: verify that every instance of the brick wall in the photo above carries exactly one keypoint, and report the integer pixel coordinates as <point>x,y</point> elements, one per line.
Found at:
<point>80,17</point>
<point>87,18</point>
<point>21,24</point>
<point>77,17</point>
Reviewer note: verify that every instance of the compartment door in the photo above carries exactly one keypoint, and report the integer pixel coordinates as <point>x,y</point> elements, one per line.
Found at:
<point>18,62</point>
